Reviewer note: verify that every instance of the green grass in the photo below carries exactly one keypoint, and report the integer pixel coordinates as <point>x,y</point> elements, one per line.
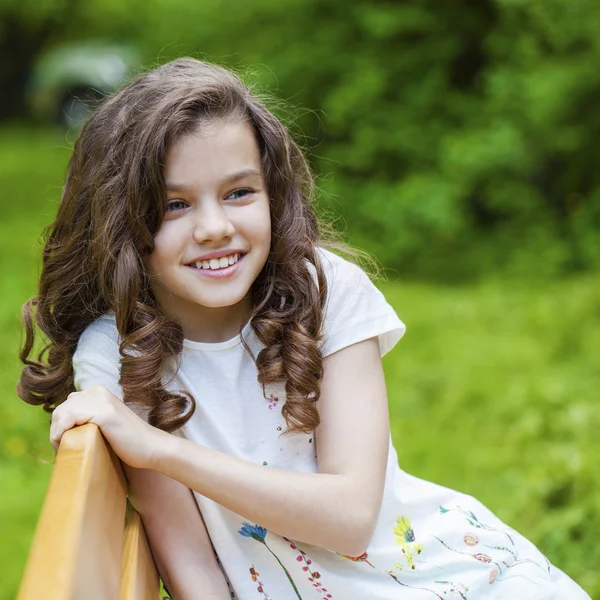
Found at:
<point>492,391</point>
<point>32,165</point>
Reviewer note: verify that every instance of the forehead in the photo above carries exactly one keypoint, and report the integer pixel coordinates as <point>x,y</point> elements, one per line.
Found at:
<point>213,151</point>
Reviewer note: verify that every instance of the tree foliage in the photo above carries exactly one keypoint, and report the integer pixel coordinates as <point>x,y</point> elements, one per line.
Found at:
<point>452,138</point>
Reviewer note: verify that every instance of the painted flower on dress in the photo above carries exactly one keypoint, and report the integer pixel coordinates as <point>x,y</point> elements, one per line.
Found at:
<point>404,530</point>
<point>256,532</point>
<point>313,576</point>
<point>484,558</point>
<point>405,538</point>
<point>273,401</point>
<point>259,534</point>
<point>362,558</point>
<point>260,588</point>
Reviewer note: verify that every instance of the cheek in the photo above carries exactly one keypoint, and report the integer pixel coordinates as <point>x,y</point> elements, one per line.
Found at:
<point>165,249</point>
<point>259,226</point>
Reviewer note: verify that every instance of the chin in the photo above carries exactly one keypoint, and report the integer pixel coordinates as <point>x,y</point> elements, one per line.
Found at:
<point>220,302</point>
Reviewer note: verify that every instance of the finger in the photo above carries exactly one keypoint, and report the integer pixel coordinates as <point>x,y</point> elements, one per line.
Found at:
<point>57,415</point>
<point>64,423</point>
<point>54,429</point>
<point>65,405</point>
<point>59,427</point>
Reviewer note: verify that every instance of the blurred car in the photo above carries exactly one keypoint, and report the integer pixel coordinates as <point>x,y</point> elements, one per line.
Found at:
<point>69,80</point>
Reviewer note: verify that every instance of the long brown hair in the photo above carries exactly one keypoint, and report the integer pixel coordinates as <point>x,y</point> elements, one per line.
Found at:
<point>112,207</point>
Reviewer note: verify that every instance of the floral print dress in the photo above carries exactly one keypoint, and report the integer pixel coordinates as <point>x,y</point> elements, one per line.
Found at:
<point>430,542</point>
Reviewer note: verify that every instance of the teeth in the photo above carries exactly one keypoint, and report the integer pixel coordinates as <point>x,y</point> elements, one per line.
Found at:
<point>218,263</point>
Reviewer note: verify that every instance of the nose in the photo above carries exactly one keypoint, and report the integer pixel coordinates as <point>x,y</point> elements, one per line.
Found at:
<point>212,224</point>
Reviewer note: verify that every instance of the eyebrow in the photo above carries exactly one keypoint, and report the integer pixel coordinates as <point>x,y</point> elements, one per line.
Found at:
<point>228,179</point>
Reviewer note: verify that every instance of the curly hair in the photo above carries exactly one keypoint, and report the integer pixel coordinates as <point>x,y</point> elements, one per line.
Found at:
<point>112,206</point>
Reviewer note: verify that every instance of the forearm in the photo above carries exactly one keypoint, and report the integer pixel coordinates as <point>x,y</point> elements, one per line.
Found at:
<point>185,568</point>
<point>308,507</point>
<point>178,538</point>
<point>206,581</point>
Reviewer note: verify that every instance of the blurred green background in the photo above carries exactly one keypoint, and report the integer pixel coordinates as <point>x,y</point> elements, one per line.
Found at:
<point>457,141</point>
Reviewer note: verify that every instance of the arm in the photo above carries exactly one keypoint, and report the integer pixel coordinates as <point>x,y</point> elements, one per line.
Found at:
<point>177,536</point>
<point>175,529</point>
<point>336,508</point>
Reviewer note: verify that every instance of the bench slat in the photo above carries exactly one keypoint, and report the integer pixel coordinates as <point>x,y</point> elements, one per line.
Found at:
<point>139,578</point>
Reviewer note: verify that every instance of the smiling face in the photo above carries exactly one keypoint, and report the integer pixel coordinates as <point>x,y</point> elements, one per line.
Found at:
<point>216,234</point>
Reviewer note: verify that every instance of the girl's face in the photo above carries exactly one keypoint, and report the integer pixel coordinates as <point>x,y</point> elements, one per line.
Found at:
<point>216,235</point>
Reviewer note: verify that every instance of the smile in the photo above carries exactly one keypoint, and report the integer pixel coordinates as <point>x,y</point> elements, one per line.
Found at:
<point>215,264</point>
<point>218,267</point>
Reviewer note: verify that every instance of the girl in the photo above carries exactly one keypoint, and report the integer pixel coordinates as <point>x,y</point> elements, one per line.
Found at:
<point>234,365</point>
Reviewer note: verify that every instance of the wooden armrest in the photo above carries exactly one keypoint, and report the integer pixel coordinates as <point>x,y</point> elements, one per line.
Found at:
<point>82,548</point>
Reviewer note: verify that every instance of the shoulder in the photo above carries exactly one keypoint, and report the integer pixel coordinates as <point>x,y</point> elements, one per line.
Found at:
<point>355,309</point>
<point>347,283</point>
<point>337,269</point>
<point>96,360</point>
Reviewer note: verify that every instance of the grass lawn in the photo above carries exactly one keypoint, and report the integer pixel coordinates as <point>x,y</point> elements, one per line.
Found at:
<point>493,390</point>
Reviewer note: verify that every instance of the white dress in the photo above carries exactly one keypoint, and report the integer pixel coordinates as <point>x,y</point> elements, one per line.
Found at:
<point>430,542</point>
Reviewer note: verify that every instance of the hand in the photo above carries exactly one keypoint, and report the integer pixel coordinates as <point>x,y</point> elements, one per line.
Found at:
<point>132,439</point>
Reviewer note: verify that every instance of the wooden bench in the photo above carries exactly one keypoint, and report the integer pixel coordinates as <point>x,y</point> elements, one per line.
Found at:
<point>89,543</point>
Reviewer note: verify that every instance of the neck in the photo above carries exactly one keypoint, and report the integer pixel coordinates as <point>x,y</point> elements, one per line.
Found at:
<point>212,325</point>
<point>216,324</point>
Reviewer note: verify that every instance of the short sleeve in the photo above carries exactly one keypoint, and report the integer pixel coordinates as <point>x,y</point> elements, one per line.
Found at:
<point>97,360</point>
<point>356,310</point>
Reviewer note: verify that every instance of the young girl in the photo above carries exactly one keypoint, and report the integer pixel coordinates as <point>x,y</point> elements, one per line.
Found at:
<point>234,365</point>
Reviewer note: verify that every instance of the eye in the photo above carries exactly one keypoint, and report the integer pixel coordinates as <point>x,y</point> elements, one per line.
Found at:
<point>174,205</point>
<point>240,194</point>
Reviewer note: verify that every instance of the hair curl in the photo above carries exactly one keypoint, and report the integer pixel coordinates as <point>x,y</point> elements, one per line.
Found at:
<point>111,209</point>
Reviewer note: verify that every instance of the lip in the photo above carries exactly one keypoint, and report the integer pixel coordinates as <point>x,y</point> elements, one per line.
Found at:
<point>217,254</point>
